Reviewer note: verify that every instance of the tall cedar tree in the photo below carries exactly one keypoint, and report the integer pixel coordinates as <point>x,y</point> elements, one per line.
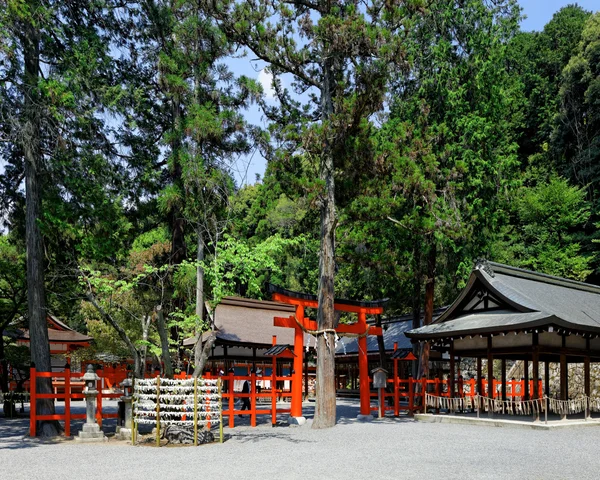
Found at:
<point>181,94</point>
<point>50,57</point>
<point>448,139</point>
<point>337,55</point>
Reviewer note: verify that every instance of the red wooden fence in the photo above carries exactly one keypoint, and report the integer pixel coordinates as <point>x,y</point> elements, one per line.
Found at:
<point>407,394</point>
<point>63,383</point>
<point>67,395</point>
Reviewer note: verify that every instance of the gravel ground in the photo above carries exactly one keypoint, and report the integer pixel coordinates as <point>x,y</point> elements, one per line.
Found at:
<point>388,448</point>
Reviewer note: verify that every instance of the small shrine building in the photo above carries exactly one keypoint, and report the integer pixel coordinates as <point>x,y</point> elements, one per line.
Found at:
<point>508,313</point>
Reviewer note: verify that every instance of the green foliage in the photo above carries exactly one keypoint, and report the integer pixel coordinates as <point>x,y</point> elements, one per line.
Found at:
<point>538,59</point>
<point>577,134</point>
<point>13,284</point>
<point>447,120</point>
<point>541,236</point>
<point>237,267</point>
<point>447,153</point>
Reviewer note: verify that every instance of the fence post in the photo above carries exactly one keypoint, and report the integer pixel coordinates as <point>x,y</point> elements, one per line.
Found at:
<point>231,400</point>
<point>253,397</point>
<point>396,386</point>
<point>67,400</point>
<point>274,392</point>
<point>134,423</point>
<point>423,392</point>
<point>411,391</point>
<point>32,400</point>
<point>220,392</point>
<point>99,401</point>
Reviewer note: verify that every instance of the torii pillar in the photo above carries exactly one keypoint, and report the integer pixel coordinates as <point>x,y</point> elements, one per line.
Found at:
<point>296,407</point>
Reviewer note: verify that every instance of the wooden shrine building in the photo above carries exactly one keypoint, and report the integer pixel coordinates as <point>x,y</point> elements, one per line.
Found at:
<point>509,313</point>
<point>244,329</point>
<point>62,338</point>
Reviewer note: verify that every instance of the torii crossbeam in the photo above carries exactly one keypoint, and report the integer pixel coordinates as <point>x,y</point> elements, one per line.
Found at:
<point>300,324</point>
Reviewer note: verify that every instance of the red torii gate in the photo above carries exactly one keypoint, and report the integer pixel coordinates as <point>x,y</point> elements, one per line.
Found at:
<point>300,324</point>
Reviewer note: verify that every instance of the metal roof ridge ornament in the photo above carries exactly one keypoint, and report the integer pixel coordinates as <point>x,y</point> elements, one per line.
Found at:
<point>483,264</point>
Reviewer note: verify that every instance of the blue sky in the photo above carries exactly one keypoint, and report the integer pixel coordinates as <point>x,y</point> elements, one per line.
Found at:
<point>538,13</point>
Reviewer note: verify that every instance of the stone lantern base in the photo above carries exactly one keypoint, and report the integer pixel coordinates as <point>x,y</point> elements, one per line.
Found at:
<point>91,433</point>
<point>123,433</point>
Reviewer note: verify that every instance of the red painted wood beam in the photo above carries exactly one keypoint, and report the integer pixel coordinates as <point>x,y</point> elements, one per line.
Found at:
<point>356,328</point>
<point>341,307</point>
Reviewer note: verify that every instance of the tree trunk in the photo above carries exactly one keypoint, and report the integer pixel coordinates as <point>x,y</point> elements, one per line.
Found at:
<point>164,342</point>
<point>202,351</point>
<point>144,350</point>
<point>200,277</point>
<point>325,407</point>
<point>416,306</point>
<point>36,299</point>
<point>178,246</point>
<point>3,366</point>
<point>429,293</point>
<point>139,360</point>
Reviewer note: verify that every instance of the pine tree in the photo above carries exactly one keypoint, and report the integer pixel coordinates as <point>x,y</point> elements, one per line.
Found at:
<point>338,54</point>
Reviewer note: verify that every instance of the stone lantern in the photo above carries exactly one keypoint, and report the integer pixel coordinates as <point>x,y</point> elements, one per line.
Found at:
<point>91,430</point>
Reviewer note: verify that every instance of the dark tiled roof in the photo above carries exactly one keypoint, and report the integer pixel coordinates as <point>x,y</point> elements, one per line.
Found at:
<point>403,355</point>
<point>392,332</point>
<point>277,350</point>
<point>528,300</point>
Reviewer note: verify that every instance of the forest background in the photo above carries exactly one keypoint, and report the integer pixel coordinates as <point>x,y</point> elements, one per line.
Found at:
<point>403,141</point>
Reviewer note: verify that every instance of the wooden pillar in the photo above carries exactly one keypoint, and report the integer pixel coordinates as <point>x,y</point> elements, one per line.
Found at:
<point>526,392</point>
<point>396,385</point>
<point>363,369</point>
<point>503,379</point>
<point>479,382</point>
<point>586,382</point>
<point>535,360</point>
<point>547,378</point>
<point>490,374</point>
<point>564,390</point>
<point>452,371</point>
<point>296,406</point>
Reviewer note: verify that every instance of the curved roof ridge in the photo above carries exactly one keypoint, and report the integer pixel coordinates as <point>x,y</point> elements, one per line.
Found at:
<point>537,276</point>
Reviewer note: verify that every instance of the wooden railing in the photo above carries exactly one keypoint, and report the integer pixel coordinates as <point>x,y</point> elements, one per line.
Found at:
<point>67,395</point>
<point>407,394</point>
<point>270,395</point>
<point>62,390</point>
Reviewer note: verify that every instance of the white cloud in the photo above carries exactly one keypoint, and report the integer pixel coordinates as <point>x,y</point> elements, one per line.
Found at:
<point>266,80</point>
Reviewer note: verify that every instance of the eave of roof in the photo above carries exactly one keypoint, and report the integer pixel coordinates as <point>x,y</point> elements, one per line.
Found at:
<point>59,336</point>
<point>480,323</point>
